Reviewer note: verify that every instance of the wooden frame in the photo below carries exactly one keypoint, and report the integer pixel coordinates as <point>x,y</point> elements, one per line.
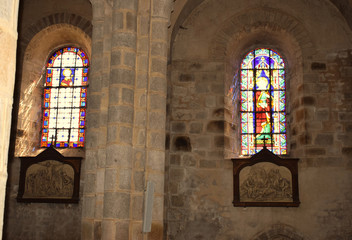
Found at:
<point>265,180</point>
<point>49,177</point>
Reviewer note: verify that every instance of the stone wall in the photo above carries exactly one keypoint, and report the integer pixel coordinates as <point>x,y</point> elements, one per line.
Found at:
<point>42,30</point>
<point>204,120</point>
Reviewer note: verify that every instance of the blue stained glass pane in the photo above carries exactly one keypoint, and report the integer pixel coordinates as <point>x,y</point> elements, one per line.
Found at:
<point>83,114</point>
<point>45,130</point>
<point>45,123</point>
<point>66,145</point>
<point>81,130</point>
<point>81,123</point>
<point>81,139</point>
<point>83,95</point>
<point>75,145</point>
<point>83,104</point>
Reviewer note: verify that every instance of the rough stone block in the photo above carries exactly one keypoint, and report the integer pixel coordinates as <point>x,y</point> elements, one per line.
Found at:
<point>119,156</point>
<point>87,229</point>
<point>158,84</point>
<point>156,140</point>
<point>140,117</point>
<point>117,205</point>
<point>127,96</point>
<point>177,201</point>
<point>175,159</point>
<point>88,207</point>
<point>114,94</point>
<point>157,102</point>
<point>131,21</point>
<point>207,164</point>
<point>142,62</point>
<point>120,114</point>
<point>91,159</point>
<point>216,126</point>
<point>112,133</point>
<point>188,161</point>
<point>159,30</point>
<point>125,135</point>
<point>176,174</point>
<point>187,77</point>
<point>110,179</point>
<point>315,151</point>
<point>124,39</point>
<point>308,100</point>
<point>122,76</point>
<point>144,26</point>
<point>324,139</point>
<point>159,49</point>
<point>137,208</point>
<point>108,229</point>
<point>138,181</point>
<point>156,160</point>
<point>196,127</point>
<point>157,120</point>
<point>117,23</point>
<point>158,66</point>
<point>122,230</point>
<point>129,59</point>
<point>125,177</point>
<point>219,141</point>
<point>178,127</point>
<point>126,4</point>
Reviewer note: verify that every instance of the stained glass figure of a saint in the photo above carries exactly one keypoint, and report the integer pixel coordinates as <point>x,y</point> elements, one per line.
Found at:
<point>263,117</point>
<point>65,95</point>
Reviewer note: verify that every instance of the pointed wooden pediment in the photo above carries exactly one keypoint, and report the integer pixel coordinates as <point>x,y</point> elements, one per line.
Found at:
<point>265,180</point>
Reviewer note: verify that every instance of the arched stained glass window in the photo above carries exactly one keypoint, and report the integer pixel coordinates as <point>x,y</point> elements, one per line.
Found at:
<point>65,95</point>
<point>263,101</point>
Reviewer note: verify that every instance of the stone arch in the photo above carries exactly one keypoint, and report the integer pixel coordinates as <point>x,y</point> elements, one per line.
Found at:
<point>58,18</point>
<point>41,46</point>
<point>279,232</point>
<point>251,21</point>
<point>266,28</point>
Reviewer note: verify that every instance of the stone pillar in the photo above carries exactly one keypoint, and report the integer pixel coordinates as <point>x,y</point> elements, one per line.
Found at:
<point>8,42</point>
<point>126,117</point>
<point>96,136</point>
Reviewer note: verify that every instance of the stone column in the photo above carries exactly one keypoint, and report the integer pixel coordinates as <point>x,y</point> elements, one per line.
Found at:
<point>96,136</point>
<point>125,144</point>
<point>8,42</point>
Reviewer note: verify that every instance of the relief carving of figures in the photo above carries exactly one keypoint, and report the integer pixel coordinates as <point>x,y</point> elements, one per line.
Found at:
<point>266,182</point>
<point>49,179</point>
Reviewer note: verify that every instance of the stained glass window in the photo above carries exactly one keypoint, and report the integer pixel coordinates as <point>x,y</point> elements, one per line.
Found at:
<point>65,95</point>
<point>263,102</point>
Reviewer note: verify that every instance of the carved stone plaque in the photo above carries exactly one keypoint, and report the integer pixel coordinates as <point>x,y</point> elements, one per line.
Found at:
<point>265,179</point>
<point>49,177</point>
